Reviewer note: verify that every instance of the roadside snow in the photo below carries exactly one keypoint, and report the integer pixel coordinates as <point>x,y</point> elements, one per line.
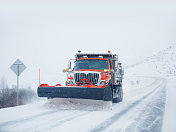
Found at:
<point>170,108</point>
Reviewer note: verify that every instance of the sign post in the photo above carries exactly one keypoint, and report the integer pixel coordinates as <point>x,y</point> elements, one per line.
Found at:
<point>18,67</point>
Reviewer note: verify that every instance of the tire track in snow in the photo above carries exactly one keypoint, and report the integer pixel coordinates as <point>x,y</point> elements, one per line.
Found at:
<point>151,117</point>
<point>104,125</point>
<point>38,126</point>
<point>60,122</point>
<point>27,118</point>
<point>23,124</point>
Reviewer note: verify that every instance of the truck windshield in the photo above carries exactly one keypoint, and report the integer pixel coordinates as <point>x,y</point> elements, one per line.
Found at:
<point>91,64</point>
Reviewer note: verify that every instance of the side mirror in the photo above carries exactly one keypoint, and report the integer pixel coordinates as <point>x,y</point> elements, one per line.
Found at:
<point>64,70</point>
<point>69,65</point>
<point>67,70</point>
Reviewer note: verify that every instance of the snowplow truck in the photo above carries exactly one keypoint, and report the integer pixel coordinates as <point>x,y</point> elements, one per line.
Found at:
<point>93,76</point>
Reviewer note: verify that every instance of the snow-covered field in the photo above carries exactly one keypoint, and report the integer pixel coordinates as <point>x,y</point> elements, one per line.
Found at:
<point>149,105</point>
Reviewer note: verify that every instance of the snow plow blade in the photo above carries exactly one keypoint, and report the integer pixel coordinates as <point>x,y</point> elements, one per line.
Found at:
<point>76,92</point>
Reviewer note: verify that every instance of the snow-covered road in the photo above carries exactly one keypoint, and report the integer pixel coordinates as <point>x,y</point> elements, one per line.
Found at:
<point>141,110</point>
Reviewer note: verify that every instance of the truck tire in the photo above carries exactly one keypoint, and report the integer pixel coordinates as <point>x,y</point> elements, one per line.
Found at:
<point>107,93</point>
<point>120,96</point>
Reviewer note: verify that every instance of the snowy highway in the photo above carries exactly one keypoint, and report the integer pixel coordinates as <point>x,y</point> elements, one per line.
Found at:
<point>142,109</point>
<point>129,45</point>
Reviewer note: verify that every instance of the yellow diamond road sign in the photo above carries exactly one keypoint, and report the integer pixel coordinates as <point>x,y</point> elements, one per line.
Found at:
<point>18,67</point>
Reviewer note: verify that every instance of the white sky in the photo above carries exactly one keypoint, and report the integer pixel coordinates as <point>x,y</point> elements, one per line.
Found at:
<point>46,34</point>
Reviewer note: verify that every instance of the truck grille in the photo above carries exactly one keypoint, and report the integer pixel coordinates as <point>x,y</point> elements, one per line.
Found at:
<point>92,77</point>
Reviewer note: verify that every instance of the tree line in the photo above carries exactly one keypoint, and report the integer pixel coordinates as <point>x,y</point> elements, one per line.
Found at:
<point>8,96</point>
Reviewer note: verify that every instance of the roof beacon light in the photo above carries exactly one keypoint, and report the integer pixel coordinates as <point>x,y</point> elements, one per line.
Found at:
<point>79,51</point>
<point>109,51</point>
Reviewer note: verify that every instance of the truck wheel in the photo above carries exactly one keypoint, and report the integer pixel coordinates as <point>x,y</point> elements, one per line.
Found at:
<point>107,93</point>
<point>120,96</point>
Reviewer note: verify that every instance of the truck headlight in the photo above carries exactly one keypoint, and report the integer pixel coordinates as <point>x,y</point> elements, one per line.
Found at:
<point>102,83</point>
<point>69,82</point>
<point>107,81</point>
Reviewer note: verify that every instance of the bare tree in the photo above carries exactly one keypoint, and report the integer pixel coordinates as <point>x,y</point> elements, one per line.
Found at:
<point>8,95</point>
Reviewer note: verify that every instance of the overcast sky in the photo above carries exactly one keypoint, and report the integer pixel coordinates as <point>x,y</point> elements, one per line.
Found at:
<point>47,34</point>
